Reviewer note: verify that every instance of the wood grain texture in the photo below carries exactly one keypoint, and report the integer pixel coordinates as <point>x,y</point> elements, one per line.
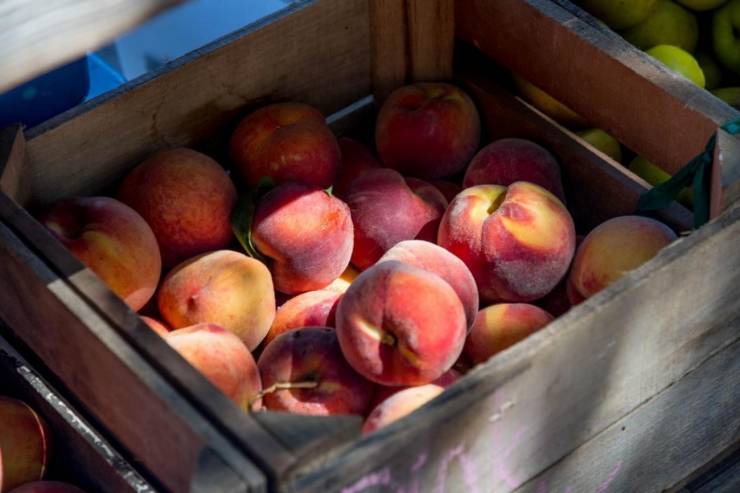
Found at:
<point>314,52</point>
<point>38,36</point>
<point>722,478</point>
<point>388,46</point>
<point>12,160</point>
<point>653,111</point>
<point>535,403</point>
<point>82,350</point>
<point>80,454</point>
<point>431,39</point>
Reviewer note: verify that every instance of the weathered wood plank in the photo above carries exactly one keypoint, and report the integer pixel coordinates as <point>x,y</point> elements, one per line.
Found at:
<point>314,52</point>
<point>723,478</point>
<point>533,404</point>
<point>388,46</point>
<point>431,35</point>
<point>38,36</point>
<point>12,159</point>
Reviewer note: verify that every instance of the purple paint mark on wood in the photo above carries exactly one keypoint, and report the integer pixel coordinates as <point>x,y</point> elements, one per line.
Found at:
<point>612,476</point>
<point>499,465</point>
<point>470,475</point>
<point>420,461</point>
<point>382,478</point>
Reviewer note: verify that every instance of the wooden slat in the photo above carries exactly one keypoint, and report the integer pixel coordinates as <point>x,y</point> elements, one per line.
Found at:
<point>723,478</point>
<point>615,86</point>
<point>431,34</point>
<point>314,52</point>
<point>38,36</point>
<point>79,453</point>
<point>388,49</point>
<point>12,159</point>
<point>528,407</point>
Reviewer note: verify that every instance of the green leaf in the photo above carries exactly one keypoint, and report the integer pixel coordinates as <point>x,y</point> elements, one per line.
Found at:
<point>329,191</point>
<point>241,223</point>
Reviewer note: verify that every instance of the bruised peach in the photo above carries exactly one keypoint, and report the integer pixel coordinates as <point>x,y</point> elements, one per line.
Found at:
<point>285,142</point>
<point>500,326</point>
<point>224,287</point>
<point>517,241</point>
<point>399,325</point>
<point>356,161</point>
<point>24,444</point>
<point>437,260</point>
<point>303,371</point>
<point>506,161</point>
<point>614,248</point>
<point>155,325</point>
<point>307,235</point>
<point>399,405</point>
<point>313,308</point>
<point>186,198</point>
<point>386,209</point>
<point>428,130</point>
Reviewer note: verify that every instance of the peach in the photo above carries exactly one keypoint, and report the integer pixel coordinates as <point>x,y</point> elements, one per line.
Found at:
<point>186,198</point>
<point>500,326</point>
<point>341,283</point>
<point>561,298</point>
<point>224,287</point>
<point>517,241</point>
<point>285,142</point>
<point>24,444</point>
<point>399,405</point>
<point>399,325</point>
<point>506,161</point>
<point>155,325</point>
<point>221,357</point>
<point>437,260</point>
<point>386,209</point>
<point>47,487</point>
<point>614,248</point>
<point>307,235</point>
<point>448,189</point>
<point>313,308</point>
<point>356,161</point>
<point>428,130</point>
<point>113,240</point>
<point>382,393</point>
<point>303,371</point>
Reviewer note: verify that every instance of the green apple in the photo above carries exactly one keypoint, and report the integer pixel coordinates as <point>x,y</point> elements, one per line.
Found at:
<point>655,175</point>
<point>603,142</point>
<point>668,24</point>
<point>730,95</point>
<point>680,61</point>
<point>711,69</point>
<point>549,105</point>
<point>619,14</point>
<point>726,35</point>
<point>702,5</point>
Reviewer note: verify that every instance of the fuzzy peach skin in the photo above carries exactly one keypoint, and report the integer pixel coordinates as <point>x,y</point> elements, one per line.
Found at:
<point>399,405</point>
<point>47,487</point>
<point>285,142</point>
<point>24,444</point>
<point>614,248</point>
<point>303,371</point>
<point>310,309</point>
<point>437,260</point>
<point>517,241</point>
<point>428,130</point>
<point>560,299</point>
<point>113,240</point>
<point>221,357</point>
<point>356,161</point>
<point>382,392</point>
<point>307,235</point>
<point>155,325</point>
<point>341,283</point>
<point>186,198</point>
<point>500,326</point>
<point>506,161</point>
<point>387,209</point>
<point>224,287</point>
<point>400,325</point>
<point>447,188</point>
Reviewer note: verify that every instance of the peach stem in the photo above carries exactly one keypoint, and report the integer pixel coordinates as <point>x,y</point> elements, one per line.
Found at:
<point>282,386</point>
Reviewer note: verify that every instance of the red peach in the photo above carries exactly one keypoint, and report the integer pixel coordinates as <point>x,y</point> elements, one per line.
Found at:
<point>427,130</point>
<point>155,325</point>
<point>399,405</point>
<point>113,240</point>
<point>382,392</point>
<point>222,287</point>
<point>47,487</point>
<point>437,260</point>
<point>386,209</point>
<point>306,233</point>
<point>313,308</point>
<point>222,358</point>
<point>399,325</point>
<point>186,198</point>
<point>341,283</point>
<point>500,326</point>
<point>356,161</point>
<point>448,189</point>
<point>517,241</point>
<point>506,161</point>
<point>24,444</point>
<point>285,142</point>
<point>614,248</point>
<point>303,371</point>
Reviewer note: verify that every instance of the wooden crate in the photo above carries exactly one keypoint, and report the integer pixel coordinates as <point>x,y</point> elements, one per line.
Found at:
<point>635,389</point>
<point>79,454</point>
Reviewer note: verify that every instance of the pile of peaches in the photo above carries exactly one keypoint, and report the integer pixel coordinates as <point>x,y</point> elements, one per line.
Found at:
<point>380,262</point>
